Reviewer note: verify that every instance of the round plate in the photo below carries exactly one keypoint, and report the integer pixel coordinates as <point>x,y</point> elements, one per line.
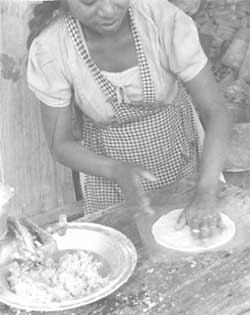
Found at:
<point>113,247</point>
<point>165,234</point>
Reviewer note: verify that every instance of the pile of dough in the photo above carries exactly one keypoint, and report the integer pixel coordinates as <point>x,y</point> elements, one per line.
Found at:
<point>165,234</point>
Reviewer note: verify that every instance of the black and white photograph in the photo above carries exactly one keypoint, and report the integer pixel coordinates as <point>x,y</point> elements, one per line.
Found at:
<point>125,157</point>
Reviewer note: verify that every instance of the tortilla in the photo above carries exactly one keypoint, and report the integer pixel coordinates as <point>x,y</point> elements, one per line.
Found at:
<point>165,234</point>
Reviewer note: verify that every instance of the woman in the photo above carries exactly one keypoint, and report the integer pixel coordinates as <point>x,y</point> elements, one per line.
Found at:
<point>121,63</point>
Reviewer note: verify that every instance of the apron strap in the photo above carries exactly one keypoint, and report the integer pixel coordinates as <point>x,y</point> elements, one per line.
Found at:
<point>105,85</point>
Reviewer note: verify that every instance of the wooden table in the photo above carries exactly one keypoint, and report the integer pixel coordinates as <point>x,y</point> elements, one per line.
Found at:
<point>214,283</point>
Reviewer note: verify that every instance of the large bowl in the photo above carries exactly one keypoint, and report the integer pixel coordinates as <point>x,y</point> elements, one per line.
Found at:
<point>114,249</point>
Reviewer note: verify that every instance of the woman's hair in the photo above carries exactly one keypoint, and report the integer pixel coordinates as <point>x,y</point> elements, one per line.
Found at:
<point>43,14</point>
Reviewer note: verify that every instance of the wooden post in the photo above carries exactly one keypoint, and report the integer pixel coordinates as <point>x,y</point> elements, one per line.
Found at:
<point>40,183</point>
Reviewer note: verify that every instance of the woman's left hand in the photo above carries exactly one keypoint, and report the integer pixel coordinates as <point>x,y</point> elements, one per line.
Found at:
<point>201,216</point>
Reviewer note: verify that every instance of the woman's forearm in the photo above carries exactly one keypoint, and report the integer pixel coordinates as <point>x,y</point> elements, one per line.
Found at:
<point>218,130</point>
<point>66,149</point>
<point>75,156</point>
<point>216,121</point>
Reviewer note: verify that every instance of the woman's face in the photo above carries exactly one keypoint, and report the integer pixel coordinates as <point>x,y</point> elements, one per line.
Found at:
<point>101,16</point>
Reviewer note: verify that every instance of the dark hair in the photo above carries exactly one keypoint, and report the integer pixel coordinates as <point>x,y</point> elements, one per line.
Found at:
<point>43,14</point>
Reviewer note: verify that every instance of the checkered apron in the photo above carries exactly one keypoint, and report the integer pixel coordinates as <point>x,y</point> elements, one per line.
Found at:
<point>160,138</point>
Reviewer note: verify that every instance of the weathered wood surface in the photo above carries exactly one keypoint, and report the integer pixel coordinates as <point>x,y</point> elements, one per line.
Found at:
<point>215,283</point>
<point>25,163</point>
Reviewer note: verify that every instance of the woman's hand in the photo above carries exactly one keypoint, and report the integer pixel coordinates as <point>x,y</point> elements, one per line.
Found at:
<point>128,176</point>
<point>201,216</point>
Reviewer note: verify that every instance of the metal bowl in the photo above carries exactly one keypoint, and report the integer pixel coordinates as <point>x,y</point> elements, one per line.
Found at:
<point>114,249</point>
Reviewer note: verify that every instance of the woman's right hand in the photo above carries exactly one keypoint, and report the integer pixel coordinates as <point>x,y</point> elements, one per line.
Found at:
<point>128,176</point>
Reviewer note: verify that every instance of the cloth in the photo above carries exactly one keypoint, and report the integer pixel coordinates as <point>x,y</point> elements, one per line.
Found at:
<point>127,83</point>
<point>170,42</point>
<point>165,143</point>
<point>161,138</point>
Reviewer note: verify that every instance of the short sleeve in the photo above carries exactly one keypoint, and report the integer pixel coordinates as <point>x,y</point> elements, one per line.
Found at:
<point>186,56</point>
<point>45,77</point>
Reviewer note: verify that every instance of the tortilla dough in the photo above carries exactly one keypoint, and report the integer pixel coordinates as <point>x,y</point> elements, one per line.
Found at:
<point>166,235</point>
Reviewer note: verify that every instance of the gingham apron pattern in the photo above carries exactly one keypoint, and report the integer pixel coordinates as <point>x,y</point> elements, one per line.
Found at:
<point>161,138</point>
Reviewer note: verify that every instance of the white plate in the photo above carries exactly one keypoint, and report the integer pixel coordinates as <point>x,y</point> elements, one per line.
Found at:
<point>165,234</point>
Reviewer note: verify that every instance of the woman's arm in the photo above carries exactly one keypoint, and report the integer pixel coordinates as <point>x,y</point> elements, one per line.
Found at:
<point>57,123</point>
<point>67,150</point>
<point>201,214</point>
<point>216,121</point>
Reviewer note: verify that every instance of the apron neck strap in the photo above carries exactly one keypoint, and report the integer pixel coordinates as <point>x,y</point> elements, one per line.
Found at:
<point>105,85</point>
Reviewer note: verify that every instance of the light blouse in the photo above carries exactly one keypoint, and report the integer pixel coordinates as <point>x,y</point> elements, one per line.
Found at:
<point>57,74</point>
<point>127,84</point>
